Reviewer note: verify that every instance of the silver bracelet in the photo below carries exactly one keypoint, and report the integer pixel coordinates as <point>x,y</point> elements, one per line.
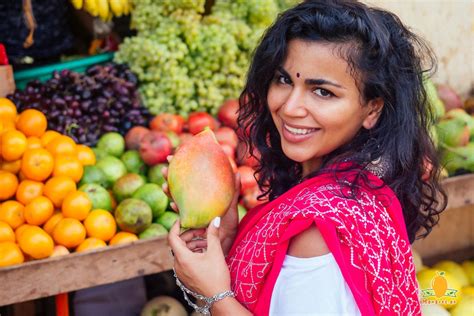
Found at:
<point>206,309</point>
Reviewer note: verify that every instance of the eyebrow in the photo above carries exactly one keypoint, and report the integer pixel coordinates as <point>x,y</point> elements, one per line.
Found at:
<point>312,81</point>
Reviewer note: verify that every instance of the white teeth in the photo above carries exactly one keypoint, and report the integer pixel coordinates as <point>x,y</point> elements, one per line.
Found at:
<point>299,131</point>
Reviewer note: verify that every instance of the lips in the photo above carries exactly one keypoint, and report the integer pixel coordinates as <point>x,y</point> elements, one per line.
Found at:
<point>298,134</point>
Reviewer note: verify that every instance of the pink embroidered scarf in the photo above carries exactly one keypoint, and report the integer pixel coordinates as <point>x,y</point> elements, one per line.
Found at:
<point>367,237</point>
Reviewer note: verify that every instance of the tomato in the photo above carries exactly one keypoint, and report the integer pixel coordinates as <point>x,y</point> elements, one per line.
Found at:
<point>226,135</point>
<point>166,122</point>
<point>199,120</point>
<point>228,113</point>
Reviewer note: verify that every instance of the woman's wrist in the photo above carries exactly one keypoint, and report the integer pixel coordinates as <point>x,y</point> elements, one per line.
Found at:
<point>229,306</point>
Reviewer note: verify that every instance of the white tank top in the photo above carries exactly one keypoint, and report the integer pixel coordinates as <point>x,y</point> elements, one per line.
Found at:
<point>312,286</point>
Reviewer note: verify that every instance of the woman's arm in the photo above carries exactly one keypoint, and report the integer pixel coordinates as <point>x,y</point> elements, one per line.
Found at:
<point>229,306</point>
<point>309,243</point>
<point>205,273</point>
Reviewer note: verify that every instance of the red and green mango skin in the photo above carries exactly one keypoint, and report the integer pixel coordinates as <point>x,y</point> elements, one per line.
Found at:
<point>201,180</point>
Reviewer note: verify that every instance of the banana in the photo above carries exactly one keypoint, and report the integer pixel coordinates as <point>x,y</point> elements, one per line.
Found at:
<point>126,7</point>
<point>116,7</point>
<point>91,7</point>
<point>77,4</point>
<point>103,7</point>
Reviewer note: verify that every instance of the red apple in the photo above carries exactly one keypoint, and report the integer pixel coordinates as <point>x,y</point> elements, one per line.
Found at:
<point>250,196</point>
<point>229,150</point>
<point>449,97</point>
<point>166,122</point>
<point>226,135</point>
<point>244,157</point>
<point>247,179</point>
<point>134,137</point>
<point>197,121</point>
<point>155,147</point>
<point>228,113</point>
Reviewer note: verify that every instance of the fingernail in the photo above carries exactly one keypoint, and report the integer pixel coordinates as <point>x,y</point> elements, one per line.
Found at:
<point>216,222</point>
<point>168,158</point>
<point>164,186</point>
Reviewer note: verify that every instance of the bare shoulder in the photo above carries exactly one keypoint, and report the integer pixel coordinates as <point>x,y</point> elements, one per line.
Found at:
<point>309,243</point>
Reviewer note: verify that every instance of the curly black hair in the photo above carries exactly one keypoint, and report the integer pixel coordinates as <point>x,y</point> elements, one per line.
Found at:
<point>391,63</point>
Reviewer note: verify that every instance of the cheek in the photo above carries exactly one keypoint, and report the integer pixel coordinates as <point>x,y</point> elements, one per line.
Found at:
<point>276,97</point>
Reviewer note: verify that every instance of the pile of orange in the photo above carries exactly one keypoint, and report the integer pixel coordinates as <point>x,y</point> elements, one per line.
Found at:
<point>42,213</point>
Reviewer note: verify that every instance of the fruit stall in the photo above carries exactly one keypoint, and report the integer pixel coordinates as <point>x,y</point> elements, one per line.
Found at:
<point>88,125</point>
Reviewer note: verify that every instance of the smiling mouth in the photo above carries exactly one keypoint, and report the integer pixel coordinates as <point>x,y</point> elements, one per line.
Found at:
<point>299,131</point>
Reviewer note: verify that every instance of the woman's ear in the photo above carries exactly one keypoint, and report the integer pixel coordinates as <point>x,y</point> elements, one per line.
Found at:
<point>375,107</point>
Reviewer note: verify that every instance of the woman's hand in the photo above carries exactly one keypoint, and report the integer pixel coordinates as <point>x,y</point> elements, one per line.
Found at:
<point>204,273</point>
<point>195,238</point>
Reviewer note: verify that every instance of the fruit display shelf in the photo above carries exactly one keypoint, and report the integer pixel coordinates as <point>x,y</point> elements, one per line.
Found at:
<point>53,276</point>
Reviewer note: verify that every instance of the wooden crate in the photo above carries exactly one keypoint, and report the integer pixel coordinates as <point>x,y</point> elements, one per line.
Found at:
<point>453,237</point>
<point>36,279</point>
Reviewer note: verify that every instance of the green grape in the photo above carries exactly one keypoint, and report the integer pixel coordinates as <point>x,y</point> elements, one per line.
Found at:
<point>186,61</point>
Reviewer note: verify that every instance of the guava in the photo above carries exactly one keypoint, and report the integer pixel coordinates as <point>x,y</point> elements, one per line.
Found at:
<point>167,219</point>
<point>133,162</point>
<point>155,175</point>
<point>112,143</point>
<point>133,215</point>
<point>98,195</point>
<point>154,196</point>
<point>93,174</point>
<point>113,169</point>
<point>126,185</point>
<point>154,230</point>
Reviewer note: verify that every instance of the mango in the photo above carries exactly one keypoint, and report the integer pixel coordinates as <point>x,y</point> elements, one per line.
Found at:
<point>201,180</point>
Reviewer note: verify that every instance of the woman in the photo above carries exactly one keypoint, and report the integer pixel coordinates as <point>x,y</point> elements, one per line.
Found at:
<point>335,105</point>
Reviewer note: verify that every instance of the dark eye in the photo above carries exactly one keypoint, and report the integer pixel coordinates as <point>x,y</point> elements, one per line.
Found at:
<point>323,92</point>
<point>283,79</point>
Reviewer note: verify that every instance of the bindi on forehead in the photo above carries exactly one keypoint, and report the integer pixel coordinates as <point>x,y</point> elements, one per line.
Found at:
<point>297,74</point>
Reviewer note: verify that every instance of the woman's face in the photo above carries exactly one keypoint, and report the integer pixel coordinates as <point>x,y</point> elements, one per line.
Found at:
<point>315,103</point>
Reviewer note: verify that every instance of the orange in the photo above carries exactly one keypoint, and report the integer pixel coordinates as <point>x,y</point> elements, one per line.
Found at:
<point>6,125</point>
<point>68,166</point>
<point>11,212</point>
<point>62,145</point>
<point>28,190</point>
<point>34,241</point>
<point>123,238</point>
<point>11,166</point>
<point>8,185</point>
<point>20,230</point>
<point>32,123</point>
<point>85,155</point>
<point>100,224</point>
<point>52,222</point>
<point>13,145</point>
<point>7,109</point>
<point>38,211</point>
<point>10,254</point>
<point>6,232</point>
<point>48,136</point>
<point>57,188</point>
<point>69,232</point>
<point>37,164</point>
<point>59,251</point>
<point>76,205</point>
<point>91,243</point>
<point>33,142</point>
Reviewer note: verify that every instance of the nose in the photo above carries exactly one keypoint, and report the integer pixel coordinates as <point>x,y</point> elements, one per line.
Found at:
<point>294,105</point>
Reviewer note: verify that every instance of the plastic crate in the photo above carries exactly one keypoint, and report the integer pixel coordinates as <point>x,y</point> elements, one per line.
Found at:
<point>44,73</point>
